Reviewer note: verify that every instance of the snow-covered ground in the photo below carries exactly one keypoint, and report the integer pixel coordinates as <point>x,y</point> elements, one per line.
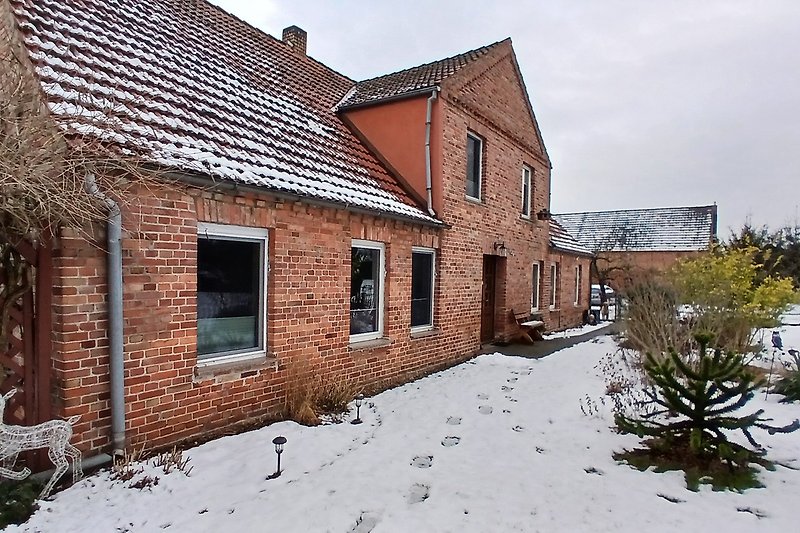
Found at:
<point>497,444</point>
<point>789,332</point>
<point>576,332</point>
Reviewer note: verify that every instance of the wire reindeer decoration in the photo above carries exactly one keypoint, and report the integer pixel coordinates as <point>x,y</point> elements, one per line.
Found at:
<point>53,435</point>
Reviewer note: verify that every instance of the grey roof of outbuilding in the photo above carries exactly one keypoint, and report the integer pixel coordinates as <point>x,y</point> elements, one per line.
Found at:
<point>411,80</point>
<point>561,240</point>
<point>660,229</point>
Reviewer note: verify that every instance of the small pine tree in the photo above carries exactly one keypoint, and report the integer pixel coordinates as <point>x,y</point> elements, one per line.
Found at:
<point>702,399</point>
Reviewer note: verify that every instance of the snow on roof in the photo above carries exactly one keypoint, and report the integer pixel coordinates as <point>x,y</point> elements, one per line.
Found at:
<point>660,229</point>
<point>190,87</point>
<point>410,80</point>
<point>560,239</point>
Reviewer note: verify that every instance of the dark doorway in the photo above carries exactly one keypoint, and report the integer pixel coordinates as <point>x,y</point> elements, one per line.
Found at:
<point>488,297</point>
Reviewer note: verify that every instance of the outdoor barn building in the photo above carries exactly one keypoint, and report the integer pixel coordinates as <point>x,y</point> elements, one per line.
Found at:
<point>632,243</point>
<point>378,230</point>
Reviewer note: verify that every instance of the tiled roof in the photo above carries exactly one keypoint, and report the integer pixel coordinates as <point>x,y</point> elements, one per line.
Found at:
<point>410,80</point>
<point>560,239</point>
<point>663,229</point>
<point>192,88</point>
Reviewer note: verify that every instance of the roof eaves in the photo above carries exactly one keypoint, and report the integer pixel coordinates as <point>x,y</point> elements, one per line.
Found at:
<point>209,182</point>
<point>402,96</point>
<point>571,251</point>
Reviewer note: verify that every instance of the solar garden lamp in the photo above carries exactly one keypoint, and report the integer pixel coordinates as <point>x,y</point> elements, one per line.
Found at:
<point>359,401</point>
<point>278,442</point>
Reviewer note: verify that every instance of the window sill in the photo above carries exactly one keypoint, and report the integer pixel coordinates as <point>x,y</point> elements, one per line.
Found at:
<point>370,344</point>
<point>554,309</point>
<point>472,200</point>
<point>424,333</point>
<point>526,218</point>
<point>234,368</point>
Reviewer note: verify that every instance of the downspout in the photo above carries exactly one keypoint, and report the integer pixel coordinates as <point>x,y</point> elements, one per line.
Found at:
<point>115,341</point>
<point>428,185</point>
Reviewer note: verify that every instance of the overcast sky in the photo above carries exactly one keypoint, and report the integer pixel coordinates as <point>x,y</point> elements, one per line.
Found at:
<point>641,103</point>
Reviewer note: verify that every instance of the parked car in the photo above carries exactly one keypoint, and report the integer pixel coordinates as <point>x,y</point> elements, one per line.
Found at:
<point>610,296</point>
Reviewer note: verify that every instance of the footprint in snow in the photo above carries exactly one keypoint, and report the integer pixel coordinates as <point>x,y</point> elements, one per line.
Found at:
<point>418,493</point>
<point>453,420</point>
<point>512,380</point>
<point>483,396</point>
<point>671,499</point>
<point>506,411</point>
<point>511,399</point>
<point>365,523</point>
<point>518,429</point>
<point>447,442</point>
<point>506,388</point>
<point>752,510</point>
<point>422,461</point>
<point>485,409</point>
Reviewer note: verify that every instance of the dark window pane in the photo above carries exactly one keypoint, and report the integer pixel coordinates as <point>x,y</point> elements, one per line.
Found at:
<point>228,295</point>
<point>535,294</point>
<point>473,167</point>
<point>364,290</point>
<point>421,288</point>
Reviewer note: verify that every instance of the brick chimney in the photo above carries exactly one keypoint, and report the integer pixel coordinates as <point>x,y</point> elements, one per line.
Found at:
<point>296,38</point>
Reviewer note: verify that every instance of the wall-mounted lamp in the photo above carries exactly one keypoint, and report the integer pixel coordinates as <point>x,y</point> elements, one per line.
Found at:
<point>544,214</point>
<point>499,246</point>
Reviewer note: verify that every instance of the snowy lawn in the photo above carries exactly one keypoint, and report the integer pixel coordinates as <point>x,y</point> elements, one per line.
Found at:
<point>497,444</point>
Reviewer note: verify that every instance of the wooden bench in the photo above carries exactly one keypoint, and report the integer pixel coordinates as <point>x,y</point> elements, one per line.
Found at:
<point>531,326</point>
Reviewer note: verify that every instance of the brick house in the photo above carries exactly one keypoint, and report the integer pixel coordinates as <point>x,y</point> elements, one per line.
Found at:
<point>636,242</point>
<point>379,230</point>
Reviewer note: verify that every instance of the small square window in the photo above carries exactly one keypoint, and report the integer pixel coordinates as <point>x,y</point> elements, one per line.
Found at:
<point>422,283</point>
<point>527,174</point>
<point>366,290</point>
<point>474,162</point>
<point>231,269</point>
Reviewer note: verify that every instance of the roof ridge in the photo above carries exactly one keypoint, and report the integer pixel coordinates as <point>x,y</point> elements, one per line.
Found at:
<point>404,83</point>
<point>486,48</point>
<point>635,209</point>
<point>263,33</point>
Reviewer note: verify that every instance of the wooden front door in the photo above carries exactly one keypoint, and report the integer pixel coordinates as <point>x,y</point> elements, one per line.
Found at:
<point>488,297</point>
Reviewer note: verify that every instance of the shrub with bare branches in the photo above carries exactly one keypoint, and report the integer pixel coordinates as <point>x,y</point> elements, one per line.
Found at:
<point>48,150</point>
<point>652,323</point>
<point>46,154</point>
<point>312,392</point>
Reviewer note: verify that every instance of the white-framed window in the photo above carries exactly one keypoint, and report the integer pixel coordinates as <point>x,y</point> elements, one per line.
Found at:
<point>527,176</point>
<point>474,163</point>
<point>423,279</point>
<point>231,291</point>
<point>553,285</point>
<point>366,290</point>
<point>536,286</point>
<point>578,270</point>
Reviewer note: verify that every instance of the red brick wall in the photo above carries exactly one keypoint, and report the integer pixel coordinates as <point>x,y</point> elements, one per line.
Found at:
<point>168,398</point>
<point>567,313</point>
<point>634,265</point>
<point>475,227</point>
